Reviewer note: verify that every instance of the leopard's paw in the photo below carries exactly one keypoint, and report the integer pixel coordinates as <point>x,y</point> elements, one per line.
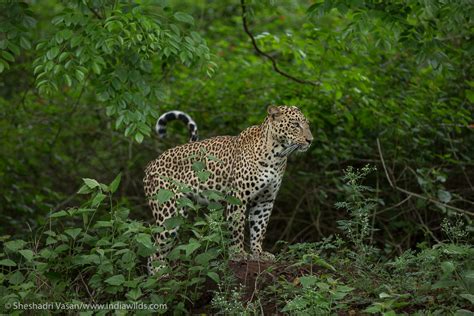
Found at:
<point>263,256</point>
<point>239,256</point>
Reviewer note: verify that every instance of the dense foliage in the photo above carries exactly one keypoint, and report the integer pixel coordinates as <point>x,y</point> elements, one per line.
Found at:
<point>387,83</point>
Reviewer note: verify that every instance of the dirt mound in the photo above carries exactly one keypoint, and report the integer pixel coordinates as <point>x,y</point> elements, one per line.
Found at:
<point>253,276</point>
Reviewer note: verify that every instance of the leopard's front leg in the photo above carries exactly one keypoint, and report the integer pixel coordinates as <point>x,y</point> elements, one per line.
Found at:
<point>236,219</point>
<point>259,217</point>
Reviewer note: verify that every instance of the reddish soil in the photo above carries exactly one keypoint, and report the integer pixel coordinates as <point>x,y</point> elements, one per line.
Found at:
<point>253,276</point>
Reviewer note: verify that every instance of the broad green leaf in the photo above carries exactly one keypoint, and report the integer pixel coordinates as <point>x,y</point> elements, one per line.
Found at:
<point>444,196</point>
<point>138,138</point>
<point>214,276</point>
<point>308,281</point>
<point>15,245</point>
<point>16,278</point>
<point>184,17</point>
<point>7,263</point>
<point>233,200</point>
<point>27,253</point>
<point>198,166</point>
<point>25,43</point>
<point>73,232</point>
<point>164,195</point>
<point>173,222</point>
<point>8,56</point>
<point>91,183</point>
<point>114,185</point>
<point>116,280</point>
<point>469,297</point>
<point>144,239</point>
<point>134,294</point>
<point>52,53</point>
<point>190,248</point>
<point>98,199</point>
<point>448,267</point>
<point>203,175</point>
<point>59,214</point>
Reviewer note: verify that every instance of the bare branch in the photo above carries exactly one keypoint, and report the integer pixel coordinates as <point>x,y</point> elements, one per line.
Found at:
<point>409,193</point>
<point>262,53</point>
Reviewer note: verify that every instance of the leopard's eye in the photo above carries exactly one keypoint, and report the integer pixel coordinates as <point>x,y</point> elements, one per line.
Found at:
<point>295,124</point>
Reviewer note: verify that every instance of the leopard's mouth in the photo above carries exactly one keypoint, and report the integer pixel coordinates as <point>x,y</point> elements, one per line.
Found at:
<point>290,148</point>
<point>303,148</point>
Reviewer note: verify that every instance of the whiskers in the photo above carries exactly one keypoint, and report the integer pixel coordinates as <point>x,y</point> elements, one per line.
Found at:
<point>288,150</point>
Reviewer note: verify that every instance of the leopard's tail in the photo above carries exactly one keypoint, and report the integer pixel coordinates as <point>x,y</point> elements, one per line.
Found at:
<point>176,115</point>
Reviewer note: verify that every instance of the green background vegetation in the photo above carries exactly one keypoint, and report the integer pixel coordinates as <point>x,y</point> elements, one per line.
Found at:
<point>384,83</point>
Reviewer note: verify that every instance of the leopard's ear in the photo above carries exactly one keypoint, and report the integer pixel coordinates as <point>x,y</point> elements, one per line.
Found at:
<point>273,111</point>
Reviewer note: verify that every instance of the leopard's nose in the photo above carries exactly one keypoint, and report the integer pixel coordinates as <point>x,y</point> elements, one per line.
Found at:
<point>309,139</point>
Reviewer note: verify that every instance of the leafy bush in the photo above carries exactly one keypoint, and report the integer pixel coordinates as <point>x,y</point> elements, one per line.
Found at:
<point>95,254</point>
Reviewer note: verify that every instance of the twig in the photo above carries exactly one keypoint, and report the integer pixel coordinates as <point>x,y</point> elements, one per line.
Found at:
<point>416,194</point>
<point>97,15</point>
<point>262,53</point>
<point>394,206</point>
<point>426,228</point>
<point>435,201</point>
<point>383,163</point>
<point>87,288</point>
<point>74,108</point>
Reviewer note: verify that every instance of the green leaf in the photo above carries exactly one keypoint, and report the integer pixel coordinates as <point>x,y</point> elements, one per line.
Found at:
<point>68,80</point>
<point>164,195</point>
<point>114,185</point>
<point>25,43</point>
<point>73,232</point>
<point>468,274</point>
<point>139,137</point>
<point>185,202</point>
<point>214,276</point>
<point>91,183</point>
<point>15,245</point>
<point>308,281</point>
<point>27,253</point>
<point>198,166</point>
<point>470,95</point>
<point>233,200</point>
<point>134,294</point>
<point>444,196</point>
<point>59,214</point>
<point>144,239</point>
<point>184,17</point>
<point>96,68</point>
<point>373,309</point>
<point>448,267</point>
<point>7,263</point>
<point>80,75</point>
<point>190,248</point>
<point>8,56</point>
<point>116,280</point>
<point>52,53</point>
<point>173,222</point>
<point>16,278</point>
<point>203,175</point>
<point>98,199</point>
<point>469,297</point>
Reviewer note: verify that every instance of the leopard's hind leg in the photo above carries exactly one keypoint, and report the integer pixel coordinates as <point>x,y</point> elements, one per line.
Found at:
<point>161,212</point>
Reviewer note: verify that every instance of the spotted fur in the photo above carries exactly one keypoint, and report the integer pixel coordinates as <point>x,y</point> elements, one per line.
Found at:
<point>251,164</point>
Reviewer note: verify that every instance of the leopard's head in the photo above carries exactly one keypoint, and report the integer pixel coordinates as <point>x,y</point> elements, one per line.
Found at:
<point>290,128</point>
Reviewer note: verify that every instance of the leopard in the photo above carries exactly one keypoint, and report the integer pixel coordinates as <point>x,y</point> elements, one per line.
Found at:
<point>251,165</point>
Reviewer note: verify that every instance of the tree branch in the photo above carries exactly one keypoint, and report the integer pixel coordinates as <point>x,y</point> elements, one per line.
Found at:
<point>409,193</point>
<point>97,15</point>
<point>262,53</point>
